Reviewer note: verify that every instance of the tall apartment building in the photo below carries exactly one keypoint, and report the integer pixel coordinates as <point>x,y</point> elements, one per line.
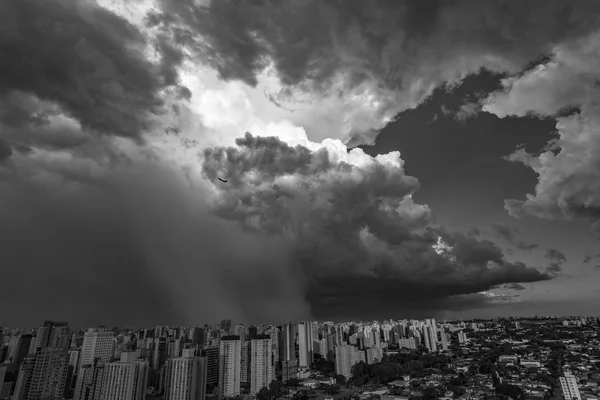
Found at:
<point>19,349</point>
<point>185,377</point>
<point>74,355</point>
<point>212,367</point>
<point>126,379</point>
<point>245,362</point>
<point>261,363</point>
<point>53,334</point>
<point>226,325</point>
<point>96,344</point>
<point>230,361</point>
<point>345,358</point>
<point>43,375</point>
<point>89,381</point>
<point>569,387</point>
<point>429,337</point>
<point>305,344</point>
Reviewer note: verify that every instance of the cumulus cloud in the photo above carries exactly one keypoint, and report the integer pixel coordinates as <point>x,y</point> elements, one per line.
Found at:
<point>93,222</point>
<point>568,168</point>
<point>88,61</point>
<point>354,227</point>
<point>509,234</point>
<point>364,62</point>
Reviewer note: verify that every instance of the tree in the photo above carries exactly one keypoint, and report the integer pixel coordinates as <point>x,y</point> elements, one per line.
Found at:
<point>340,379</point>
<point>332,389</point>
<point>292,382</point>
<point>429,393</point>
<point>264,394</point>
<point>507,389</point>
<point>276,388</point>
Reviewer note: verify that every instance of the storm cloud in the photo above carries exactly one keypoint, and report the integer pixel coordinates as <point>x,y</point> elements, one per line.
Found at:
<point>354,227</point>
<point>130,241</point>
<point>379,56</point>
<point>87,61</point>
<point>110,204</point>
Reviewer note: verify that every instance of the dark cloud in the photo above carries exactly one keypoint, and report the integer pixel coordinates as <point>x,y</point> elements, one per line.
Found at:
<point>510,235</point>
<point>556,256</point>
<point>400,50</point>
<point>587,259</point>
<point>513,286</point>
<point>106,238</point>
<point>83,58</point>
<point>358,238</point>
<point>557,259</point>
<point>5,150</point>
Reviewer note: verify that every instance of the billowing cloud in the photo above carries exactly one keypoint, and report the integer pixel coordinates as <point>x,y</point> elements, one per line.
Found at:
<point>354,227</point>
<point>568,168</point>
<point>363,62</point>
<point>510,235</point>
<point>303,227</point>
<point>87,61</point>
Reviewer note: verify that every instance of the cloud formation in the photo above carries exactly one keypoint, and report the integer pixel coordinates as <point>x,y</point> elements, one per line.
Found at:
<point>303,225</point>
<point>367,61</point>
<point>92,236</point>
<point>354,227</point>
<point>509,234</point>
<point>568,168</point>
<point>557,259</point>
<point>85,60</point>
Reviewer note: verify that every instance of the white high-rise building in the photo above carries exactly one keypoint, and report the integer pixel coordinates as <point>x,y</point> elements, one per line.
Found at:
<point>96,344</point>
<point>345,358</point>
<point>430,336</point>
<point>569,387</point>
<point>261,363</point>
<point>305,344</point>
<point>126,379</point>
<point>230,366</point>
<point>185,377</point>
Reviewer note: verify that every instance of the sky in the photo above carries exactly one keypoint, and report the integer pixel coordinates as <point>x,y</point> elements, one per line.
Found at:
<point>383,159</point>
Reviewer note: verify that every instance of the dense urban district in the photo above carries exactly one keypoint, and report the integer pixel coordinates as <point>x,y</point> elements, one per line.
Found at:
<point>517,358</point>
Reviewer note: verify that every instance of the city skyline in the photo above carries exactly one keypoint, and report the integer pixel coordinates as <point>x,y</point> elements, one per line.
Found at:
<point>171,162</point>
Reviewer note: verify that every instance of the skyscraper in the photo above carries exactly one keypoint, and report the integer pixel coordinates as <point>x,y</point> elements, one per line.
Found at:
<point>126,379</point>
<point>345,358</point>
<point>212,367</point>
<point>43,375</point>
<point>89,382</point>
<point>185,377</point>
<point>226,325</point>
<point>261,363</point>
<point>96,344</point>
<point>53,334</point>
<point>230,361</point>
<point>305,344</point>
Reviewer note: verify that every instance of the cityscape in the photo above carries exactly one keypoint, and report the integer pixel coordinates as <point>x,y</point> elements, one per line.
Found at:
<point>299,199</point>
<point>517,358</point>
